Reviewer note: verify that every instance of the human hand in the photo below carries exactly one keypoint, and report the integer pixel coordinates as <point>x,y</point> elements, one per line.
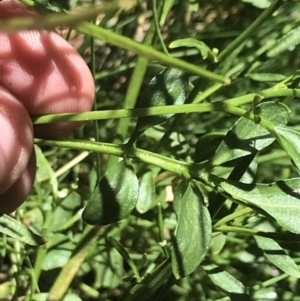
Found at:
<point>40,73</point>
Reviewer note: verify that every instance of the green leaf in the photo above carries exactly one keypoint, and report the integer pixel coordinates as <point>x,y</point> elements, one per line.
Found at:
<point>165,12</point>
<point>44,6</point>
<point>170,87</point>
<point>114,198</point>
<point>266,77</point>
<point>146,193</point>
<point>15,229</point>
<point>108,268</point>
<point>217,243</point>
<point>59,252</point>
<point>279,200</point>
<point>227,283</point>
<point>259,3</point>
<point>65,210</point>
<point>247,137</point>
<point>207,145</point>
<point>290,142</point>
<point>291,39</point>
<point>45,171</point>
<point>202,47</point>
<point>44,296</point>
<point>193,231</point>
<point>273,251</point>
<point>122,251</point>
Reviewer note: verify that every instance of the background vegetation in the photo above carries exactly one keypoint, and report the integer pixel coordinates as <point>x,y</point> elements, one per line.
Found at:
<point>218,239</point>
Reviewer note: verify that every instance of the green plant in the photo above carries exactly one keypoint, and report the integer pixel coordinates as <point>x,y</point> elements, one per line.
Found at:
<point>230,231</point>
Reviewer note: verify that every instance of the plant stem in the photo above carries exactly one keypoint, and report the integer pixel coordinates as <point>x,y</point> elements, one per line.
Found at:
<point>96,126</point>
<point>67,274</point>
<point>224,106</point>
<point>50,22</point>
<point>156,15</point>
<point>147,51</point>
<point>178,167</point>
<point>233,216</point>
<point>133,90</point>
<point>172,165</point>
<point>250,30</point>
<point>160,222</point>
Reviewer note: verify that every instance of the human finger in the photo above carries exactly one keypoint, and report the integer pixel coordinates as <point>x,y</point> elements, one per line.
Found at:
<point>13,198</point>
<point>16,139</point>
<point>44,72</point>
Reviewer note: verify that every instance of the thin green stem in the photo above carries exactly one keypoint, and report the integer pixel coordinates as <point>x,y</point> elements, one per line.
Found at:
<point>157,27</point>
<point>110,72</point>
<point>250,30</point>
<point>34,283</point>
<point>178,167</point>
<point>50,22</point>
<point>147,51</point>
<point>241,230</point>
<point>160,222</point>
<point>270,281</point>
<point>133,90</point>
<point>208,92</point>
<point>233,216</point>
<point>42,251</point>
<point>68,272</point>
<point>271,157</point>
<point>236,44</point>
<point>224,106</point>
<point>96,126</point>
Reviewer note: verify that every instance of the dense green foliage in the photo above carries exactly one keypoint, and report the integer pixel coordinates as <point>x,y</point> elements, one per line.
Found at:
<point>205,204</point>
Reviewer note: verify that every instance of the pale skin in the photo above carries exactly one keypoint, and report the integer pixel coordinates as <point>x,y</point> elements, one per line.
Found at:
<point>40,73</point>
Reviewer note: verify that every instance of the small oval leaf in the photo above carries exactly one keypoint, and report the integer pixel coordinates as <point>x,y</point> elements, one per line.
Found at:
<point>15,229</point>
<point>273,251</point>
<point>290,142</point>
<point>146,193</point>
<point>259,3</point>
<point>291,39</point>
<point>193,231</point>
<point>202,47</point>
<point>227,283</point>
<point>114,198</point>
<point>60,248</point>
<point>247,137</point>
<point>266,77</point>
<point>280,200</point>
<point>170,87</point>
